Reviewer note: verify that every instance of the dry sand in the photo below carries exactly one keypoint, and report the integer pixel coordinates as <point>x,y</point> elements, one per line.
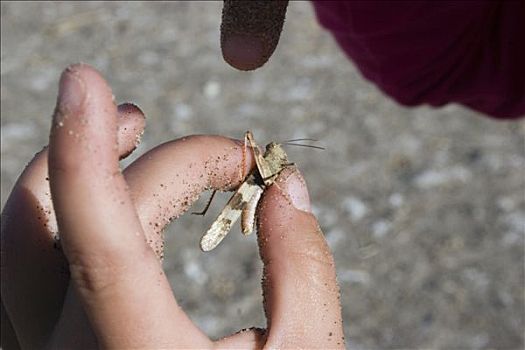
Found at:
<point>424,209</point>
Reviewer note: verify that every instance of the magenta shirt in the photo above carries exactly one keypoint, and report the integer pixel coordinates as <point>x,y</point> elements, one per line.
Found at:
<point>436,52</point>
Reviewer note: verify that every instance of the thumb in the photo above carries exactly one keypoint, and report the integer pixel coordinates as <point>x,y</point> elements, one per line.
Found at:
<point>300,287</point>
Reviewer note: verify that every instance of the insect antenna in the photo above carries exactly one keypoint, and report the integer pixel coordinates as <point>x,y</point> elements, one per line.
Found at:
<point>303,139</point>
<point>302,145</point>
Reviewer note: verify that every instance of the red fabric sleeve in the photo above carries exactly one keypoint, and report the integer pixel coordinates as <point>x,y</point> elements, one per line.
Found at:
<point>436,52</point>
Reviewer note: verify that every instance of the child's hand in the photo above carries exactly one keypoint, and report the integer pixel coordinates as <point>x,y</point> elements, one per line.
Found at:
<point>116,293</point>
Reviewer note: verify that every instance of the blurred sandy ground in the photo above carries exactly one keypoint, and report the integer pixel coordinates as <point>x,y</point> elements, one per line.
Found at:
<point>424,209</point>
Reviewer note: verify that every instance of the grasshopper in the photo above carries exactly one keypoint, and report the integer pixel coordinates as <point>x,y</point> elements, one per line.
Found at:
<point>244,201</point>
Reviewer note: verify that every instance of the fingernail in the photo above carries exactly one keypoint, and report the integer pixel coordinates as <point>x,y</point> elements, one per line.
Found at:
<point>129,108</point>
<point>245,52</point>
<point>71,91</point>
<point>294,187</point>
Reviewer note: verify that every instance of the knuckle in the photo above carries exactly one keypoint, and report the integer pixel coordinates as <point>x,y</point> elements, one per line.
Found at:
<point>98,274</point>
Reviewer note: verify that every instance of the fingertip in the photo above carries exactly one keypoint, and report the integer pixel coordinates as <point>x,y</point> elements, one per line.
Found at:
<point>84,122</point>
<point>244,52</point>
<point>283,204</point>
<point>250,31</point>
<point>131,124</point>
<point>71,95</point>
<point>127,109</point>
<point>81,90</point>
<point>93,84</point>
<point>74,83</point>
<point>293,186</point>
<point>285,221</point>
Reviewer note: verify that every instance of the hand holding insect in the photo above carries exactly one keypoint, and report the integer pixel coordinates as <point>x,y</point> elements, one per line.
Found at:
<point>117,294</point>
<point>244,201</point>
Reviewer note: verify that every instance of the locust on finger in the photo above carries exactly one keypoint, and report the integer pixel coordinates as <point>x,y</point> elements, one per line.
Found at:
<point>244,202</point>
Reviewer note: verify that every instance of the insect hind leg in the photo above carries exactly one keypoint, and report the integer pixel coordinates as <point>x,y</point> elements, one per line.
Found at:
<point>203,212</point>
<point>242,173</point>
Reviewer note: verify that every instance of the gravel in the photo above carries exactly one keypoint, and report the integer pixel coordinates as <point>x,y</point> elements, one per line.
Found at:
<point>424,209</point>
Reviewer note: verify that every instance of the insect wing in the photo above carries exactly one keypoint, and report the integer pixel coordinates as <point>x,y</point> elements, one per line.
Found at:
<point>229,215</point>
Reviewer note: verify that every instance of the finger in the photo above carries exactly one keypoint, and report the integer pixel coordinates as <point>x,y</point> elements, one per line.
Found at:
<point>34,270</point>
<point>156,180</point>
<point>166,181</point>
<point>250,31</point>
<point>131,123</point>
<point>299,284</point>
<point>124,291</point>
